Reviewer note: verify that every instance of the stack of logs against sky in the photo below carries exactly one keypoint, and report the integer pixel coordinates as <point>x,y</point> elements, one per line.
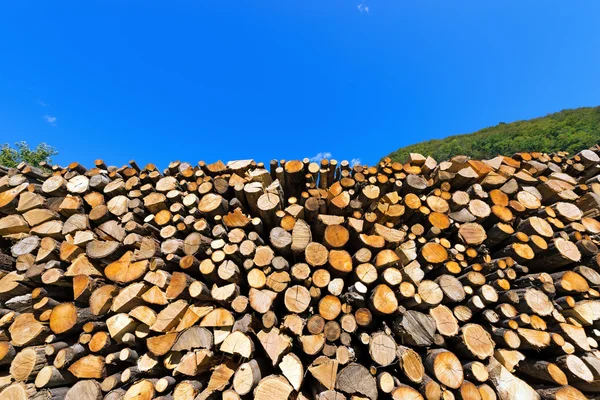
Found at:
<point>463,279</point>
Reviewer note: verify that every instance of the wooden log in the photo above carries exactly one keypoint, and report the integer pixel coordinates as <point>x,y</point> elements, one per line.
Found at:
<point>445,366</point>
<point>356,379</point>
<point>88,389</point>
<point>507,385</point>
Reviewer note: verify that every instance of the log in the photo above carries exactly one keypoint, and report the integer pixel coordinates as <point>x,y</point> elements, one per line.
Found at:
<point>507,385</point>
<point>446,367</point>
<point>356,379</point>
<point>459,279</point>
<point>27,363</point>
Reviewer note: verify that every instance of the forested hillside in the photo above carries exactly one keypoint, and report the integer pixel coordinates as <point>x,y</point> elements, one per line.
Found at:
<point>569,130</point>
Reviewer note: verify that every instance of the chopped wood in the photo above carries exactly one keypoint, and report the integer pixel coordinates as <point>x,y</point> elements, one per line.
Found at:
<point>460,279</point>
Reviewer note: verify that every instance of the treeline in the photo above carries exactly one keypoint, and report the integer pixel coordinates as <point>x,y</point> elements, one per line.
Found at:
<point>568,130</point>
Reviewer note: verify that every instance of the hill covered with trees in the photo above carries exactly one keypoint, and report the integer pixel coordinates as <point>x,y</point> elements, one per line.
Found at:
<point>567,130</point>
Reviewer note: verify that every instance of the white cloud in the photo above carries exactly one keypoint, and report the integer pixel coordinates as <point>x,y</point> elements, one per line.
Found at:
<point>320,156</point>
<point>354,161</point>
<point>41,103</point>
<point>363,8</point>
<point>50,119</point>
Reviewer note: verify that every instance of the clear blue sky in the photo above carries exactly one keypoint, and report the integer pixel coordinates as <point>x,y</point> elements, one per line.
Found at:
<point>207,80</point>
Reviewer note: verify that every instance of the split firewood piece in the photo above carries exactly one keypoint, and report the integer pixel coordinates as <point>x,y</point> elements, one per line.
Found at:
<point>27,331</point>
<point>218,318</point>
<point>536,302</point>
<point>585,311</point>
<point>382,348</point>
<point>28,363</point>
<point>476,341</point>
<point>405,392</point>
<point>85,390</point>
<point>434,253</point>
<point>445,321</point>
<point>120,324</point>
<point>238,343</point>
<point>415,328</point>
<point>81,265</point>
<point>161,345</point>
<point>187,390</point>
<point>508,386</point>
<point>11,286</point>
<point>272,387</point>
<point>66,317</point>
<point>312,344</point>
<point>575,369</point>
<point>336,236</point>
<point>468,391</point>
<point>570,282</point>
<point>218,381</point>
<point>430,389</point>
<point>561,393</point>
<point>246,377</point>
<point>386,382</point>
<point>18,391</point>
<point>170,316</point>
<point>543,370</point>
<point>292,368</point>
<point>129,297</point>
<point>472,234</point>
<point>560,252</point>
<point>383,299</point>
<point>281,240</point>
<point>533,339</point>
<point>275,344</point>
<point>476,371</point>
<point>261,301</point>
<point>196,243</point>
<point>195,362</point>
<point>268,204</point>
<point>193,338</point>
<point>509,358</point>
<point>7,353</point>
<point>330,307</point>
<point>212,205</point>
<point>141,390</point>
<point>301,236</point>
<point>89,367</point>
<point>446,367</point>
<point>316,254</point>
<point>104,251</point>
<point>66,356</point>
<point>27,245</point>
<point>411,364</point>
<point>340,261</point>
<point>297,299</point>
<point>126,270</point>
<point>354,379</point>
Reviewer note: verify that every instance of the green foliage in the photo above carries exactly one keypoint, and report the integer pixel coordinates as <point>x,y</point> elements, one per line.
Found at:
<point>567,130</point>
<point>11,157</point>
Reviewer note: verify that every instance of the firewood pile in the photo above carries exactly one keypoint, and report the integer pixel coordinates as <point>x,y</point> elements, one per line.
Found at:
<point>463,279</point>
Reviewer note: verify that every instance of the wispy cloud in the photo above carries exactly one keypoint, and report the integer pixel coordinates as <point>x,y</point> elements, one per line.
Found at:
<point>363,8</point>
<point>320,156</point>
<point>355,161</point>
<point>49,119</point>
<point>41,103</point>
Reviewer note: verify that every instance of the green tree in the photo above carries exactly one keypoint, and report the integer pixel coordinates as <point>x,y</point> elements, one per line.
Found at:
<point>11,157</point>
<point>568,130</point>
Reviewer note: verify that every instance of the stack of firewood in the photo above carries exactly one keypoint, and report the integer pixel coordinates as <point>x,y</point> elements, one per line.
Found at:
<point>463,279</point>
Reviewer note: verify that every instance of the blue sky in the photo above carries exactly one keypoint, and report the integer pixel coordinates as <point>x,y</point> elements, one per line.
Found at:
<point>198,80</point>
